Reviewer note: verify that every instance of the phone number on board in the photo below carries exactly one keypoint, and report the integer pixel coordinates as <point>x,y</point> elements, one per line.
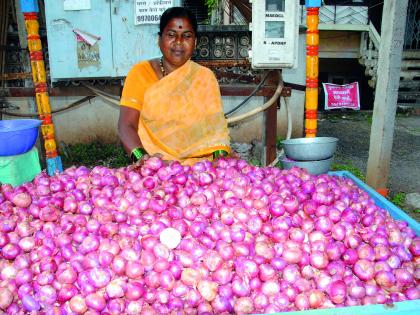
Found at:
<point>148,18</point>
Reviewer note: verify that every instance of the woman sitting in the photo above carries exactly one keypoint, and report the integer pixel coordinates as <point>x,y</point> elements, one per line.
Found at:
<point>171,105</point>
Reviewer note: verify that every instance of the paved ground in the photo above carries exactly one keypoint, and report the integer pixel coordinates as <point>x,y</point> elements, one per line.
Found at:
<point>353,132</point>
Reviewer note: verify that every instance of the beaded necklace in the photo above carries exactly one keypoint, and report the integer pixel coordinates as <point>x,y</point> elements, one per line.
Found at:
<point>161,67</point>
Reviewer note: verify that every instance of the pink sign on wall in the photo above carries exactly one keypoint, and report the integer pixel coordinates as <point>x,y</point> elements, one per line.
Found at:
<point>342,96</point>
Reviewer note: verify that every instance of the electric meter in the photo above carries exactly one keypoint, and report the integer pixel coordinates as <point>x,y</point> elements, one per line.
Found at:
<point>275,34</point>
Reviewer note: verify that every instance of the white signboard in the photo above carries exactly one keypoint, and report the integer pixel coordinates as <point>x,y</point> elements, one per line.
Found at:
<point>70,5</point>
<point>150,11</point>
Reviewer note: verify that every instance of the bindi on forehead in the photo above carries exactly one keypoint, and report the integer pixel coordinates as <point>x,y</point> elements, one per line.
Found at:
<point>179,25</point>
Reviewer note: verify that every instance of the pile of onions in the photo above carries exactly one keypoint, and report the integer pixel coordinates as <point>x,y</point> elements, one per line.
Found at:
<point>244,240</point>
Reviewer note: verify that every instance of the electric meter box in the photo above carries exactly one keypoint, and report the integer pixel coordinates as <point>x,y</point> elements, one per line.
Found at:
<point>275,34</point>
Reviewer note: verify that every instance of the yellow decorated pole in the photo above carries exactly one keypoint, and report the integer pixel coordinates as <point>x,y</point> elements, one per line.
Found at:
<point>312,68</point>
<point>30,13</point>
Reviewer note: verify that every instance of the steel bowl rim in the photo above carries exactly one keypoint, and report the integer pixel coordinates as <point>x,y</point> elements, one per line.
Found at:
<point>307,141</point>
<point>310,161</point>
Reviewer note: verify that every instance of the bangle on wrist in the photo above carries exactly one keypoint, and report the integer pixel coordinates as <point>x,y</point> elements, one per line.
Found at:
<point>218,153</point>
<point>137,154</point>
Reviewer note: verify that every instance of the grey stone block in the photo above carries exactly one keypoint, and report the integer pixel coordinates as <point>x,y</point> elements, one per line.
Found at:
<point>412,200</point>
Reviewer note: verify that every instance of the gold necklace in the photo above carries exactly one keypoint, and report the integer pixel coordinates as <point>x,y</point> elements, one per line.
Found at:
<point>161,67</point>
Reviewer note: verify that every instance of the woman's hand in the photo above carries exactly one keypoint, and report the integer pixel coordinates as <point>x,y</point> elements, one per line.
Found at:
<point>136,166</point>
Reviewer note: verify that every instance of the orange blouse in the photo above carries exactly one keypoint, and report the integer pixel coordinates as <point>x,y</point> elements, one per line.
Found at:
<point>181,115</point>
<point>139,79</point>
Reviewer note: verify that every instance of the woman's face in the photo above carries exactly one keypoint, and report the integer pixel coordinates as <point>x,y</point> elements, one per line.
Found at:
<point>177,42</point>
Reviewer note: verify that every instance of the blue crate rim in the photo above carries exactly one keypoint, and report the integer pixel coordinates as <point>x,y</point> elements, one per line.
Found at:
<point>22,124</point>
<point>398,308</point>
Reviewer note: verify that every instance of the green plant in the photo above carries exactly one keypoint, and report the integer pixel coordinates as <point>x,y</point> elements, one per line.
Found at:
<point>211,5</point>
<point>350,168</point>
<point>279,145</point>
<point>94,153</point>
<point>398,199</point>
<point>254,161</point>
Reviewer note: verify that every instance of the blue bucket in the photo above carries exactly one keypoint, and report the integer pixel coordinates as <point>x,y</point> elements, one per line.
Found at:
<point>18,136</point>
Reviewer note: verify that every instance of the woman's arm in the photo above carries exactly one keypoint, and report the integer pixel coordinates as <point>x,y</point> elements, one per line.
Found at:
<point>127,128</point>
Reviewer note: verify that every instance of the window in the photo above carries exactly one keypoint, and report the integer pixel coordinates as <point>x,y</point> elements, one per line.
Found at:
<point>274,29</point>
<point>274,5</point>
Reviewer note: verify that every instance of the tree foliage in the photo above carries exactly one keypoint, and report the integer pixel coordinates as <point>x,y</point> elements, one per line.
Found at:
<point>211,4</point>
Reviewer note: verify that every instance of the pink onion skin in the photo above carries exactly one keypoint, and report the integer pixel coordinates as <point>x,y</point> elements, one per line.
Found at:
<point>292,255</point>
<point>207,289</point>
<point>254,240</point>
<point>412,293</point>
<point>364,269</point>
<point>22,200</point>
<point>30,304</point>
<point>403,277</point>
<point>316,298</point>
<point>302,302</point>
<point>319,259</point>
<point>95,301</point>
<point>244,305</point>
<point>338,291</point>
<point>78,304</point>
<point>6,298</point>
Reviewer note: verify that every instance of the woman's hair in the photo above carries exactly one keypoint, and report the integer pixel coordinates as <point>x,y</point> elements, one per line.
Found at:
<point>177,12</point>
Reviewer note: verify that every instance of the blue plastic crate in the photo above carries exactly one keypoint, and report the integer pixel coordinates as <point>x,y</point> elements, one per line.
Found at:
<point>399,308</point>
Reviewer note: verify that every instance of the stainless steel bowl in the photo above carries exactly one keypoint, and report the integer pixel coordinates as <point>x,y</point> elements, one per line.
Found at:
<point>313,167</point>
<point>310,149</point>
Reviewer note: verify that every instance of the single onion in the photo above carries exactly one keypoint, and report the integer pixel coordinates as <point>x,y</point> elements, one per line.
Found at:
<point>78,305</point>
<point>385,279</point>
<point>338,291</point>
<point>207,289</point>
<point>6,298</point>
<point>364,269</point>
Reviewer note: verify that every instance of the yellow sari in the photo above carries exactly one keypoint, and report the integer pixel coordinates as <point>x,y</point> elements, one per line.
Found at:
<point>181,115</point>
